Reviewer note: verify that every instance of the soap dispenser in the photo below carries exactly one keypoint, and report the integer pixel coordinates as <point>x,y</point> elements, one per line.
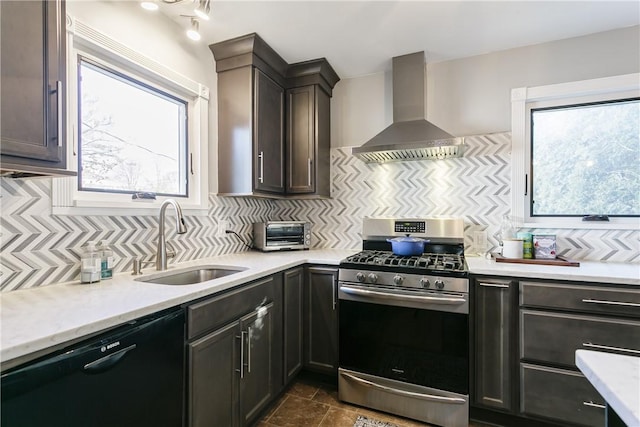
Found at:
<point>106,260</point>
<point>90,264</point>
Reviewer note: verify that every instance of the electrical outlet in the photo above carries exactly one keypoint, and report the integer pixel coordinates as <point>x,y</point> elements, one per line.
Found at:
<point>223,224</point>
<point>480,242</point>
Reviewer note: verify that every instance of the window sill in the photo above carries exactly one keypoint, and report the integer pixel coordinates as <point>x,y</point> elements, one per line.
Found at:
<point>585,225</point>
<point>125,209</point>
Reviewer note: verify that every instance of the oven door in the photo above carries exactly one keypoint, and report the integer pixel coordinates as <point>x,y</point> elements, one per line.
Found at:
<point>403,348</point>
<point>285,235</point>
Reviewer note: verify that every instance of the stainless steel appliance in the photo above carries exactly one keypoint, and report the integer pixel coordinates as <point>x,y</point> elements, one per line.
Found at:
<point>403,323</point>
<point>410,136</point>
<point>281,235</point>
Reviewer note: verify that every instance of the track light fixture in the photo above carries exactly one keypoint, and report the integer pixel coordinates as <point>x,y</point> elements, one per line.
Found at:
<point>194,31</point>
<point>203,9</point>
<point>201,12</point>
<point>149,5</point>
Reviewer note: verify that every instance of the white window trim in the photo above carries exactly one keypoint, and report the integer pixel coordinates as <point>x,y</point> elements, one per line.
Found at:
<point>66,199</point>
<point>627,85</point>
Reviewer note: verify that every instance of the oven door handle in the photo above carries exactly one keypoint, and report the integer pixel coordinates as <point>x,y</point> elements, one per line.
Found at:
<point>423,396</point>
<point>366,292</point>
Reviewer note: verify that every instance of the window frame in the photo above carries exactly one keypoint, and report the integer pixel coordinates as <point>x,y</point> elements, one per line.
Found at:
<point>99,48</point>
<point>523,100</point>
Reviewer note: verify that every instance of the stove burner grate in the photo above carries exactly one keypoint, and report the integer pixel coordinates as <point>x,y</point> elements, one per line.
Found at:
<point>427,261</point>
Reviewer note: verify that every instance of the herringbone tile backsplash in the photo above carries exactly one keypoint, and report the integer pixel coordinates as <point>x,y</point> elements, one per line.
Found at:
<point>39,248</point>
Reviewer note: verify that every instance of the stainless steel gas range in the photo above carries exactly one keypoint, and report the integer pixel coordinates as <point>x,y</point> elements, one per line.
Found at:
<point>403,323</point>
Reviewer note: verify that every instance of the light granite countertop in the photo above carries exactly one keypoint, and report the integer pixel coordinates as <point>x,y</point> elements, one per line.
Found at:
<point>617,379</point>
<point>588,271</point>
<point>39,320</point>
<point>43,318</point>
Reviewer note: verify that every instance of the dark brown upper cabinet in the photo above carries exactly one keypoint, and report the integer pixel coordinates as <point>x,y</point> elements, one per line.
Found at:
<point>33,102</point>
<point>308,123</point>
<point>273,121</point>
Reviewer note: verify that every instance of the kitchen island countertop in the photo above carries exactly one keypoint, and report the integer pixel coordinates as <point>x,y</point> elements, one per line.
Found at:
<point>616,378</point>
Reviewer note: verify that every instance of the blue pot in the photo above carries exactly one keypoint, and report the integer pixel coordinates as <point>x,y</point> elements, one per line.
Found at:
<point>407,246</point>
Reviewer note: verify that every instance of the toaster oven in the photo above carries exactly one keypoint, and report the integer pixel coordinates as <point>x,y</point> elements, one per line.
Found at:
<point>281,235</point>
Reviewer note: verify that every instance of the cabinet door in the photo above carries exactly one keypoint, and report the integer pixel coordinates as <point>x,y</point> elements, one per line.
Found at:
<point>301,140</point>
<point>256,377</point>
<point>293,280</point>
<point>33,83</point>
<point>269,135</point>
<point>493,319</point>
<point>321,353</point>
<point>213,378</point>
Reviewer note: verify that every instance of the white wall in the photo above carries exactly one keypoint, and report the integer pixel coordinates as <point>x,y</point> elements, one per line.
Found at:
<point>472,96</point>
<point>161,39</point>
<point>150,33</point>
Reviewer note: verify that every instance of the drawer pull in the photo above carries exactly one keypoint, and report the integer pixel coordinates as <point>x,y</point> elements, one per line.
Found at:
<point>606,347</point>
<point>594,405</point>
<point>493,285</point>
<point>597,301</point>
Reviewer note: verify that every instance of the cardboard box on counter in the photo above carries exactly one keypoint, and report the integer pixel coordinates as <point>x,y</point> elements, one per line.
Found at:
<point>544,246</point>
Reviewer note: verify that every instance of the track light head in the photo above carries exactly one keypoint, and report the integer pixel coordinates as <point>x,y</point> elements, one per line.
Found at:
<point>194,31</point>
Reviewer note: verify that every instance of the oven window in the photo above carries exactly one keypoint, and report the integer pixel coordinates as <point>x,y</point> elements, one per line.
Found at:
<point>285,234</point>
<point>423,347</point>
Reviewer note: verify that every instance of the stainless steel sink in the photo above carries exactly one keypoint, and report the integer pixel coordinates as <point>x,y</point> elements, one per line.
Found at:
<point>192,275</point>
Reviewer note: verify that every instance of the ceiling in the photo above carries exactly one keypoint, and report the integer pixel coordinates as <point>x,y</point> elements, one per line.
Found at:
<point>361,37</point>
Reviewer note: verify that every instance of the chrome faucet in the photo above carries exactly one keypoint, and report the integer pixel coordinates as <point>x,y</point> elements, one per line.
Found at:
<point>181,228</point>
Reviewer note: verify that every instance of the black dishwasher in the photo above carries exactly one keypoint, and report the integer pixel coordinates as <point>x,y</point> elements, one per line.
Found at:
<point>130,376</point>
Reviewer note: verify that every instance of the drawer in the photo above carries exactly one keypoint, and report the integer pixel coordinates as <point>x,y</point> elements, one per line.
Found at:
<point>218,311</point>
<point>554,337</point>
<point>594,299</point>
<point>560,395</point>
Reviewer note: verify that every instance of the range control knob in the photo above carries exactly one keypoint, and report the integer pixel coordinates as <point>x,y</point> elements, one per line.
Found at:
<point>373,278</point>
<point>424,282</point>
<point>397,280</point>
<point>361,277</point>
<point>439,284</point>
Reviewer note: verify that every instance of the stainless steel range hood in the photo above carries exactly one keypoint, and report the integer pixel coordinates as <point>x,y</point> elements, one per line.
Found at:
<point>410,136</point>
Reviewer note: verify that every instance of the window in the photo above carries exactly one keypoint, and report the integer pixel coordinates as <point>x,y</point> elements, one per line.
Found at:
<point>132,136</point>
<point>575,153</point>
<point>585,159</point>
<point>135,125</point>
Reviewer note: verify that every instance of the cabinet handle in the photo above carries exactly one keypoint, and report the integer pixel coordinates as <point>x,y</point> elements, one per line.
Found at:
<point>249,349</point>
<point>241,338</point>
<point>333,287</point>
<point>594,405</point>
<point>493,285</point>
<point>59,112</point>
<point>606,347</point>
<point>261,176</point>
<point>309,172</point>
<point>605,302</point>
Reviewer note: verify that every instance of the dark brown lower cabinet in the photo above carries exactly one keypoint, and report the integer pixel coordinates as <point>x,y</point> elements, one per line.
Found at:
<point>559,395</point>
<point>555,320</point>
<point>293,321</point>
<point>234,354</point>
<point>256,376</point>
<point>321,323</point>
<point>213,382</point>
<point>494,346</point>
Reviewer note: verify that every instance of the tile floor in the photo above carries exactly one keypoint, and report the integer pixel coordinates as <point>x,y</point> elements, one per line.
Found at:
<point>310,402</point>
